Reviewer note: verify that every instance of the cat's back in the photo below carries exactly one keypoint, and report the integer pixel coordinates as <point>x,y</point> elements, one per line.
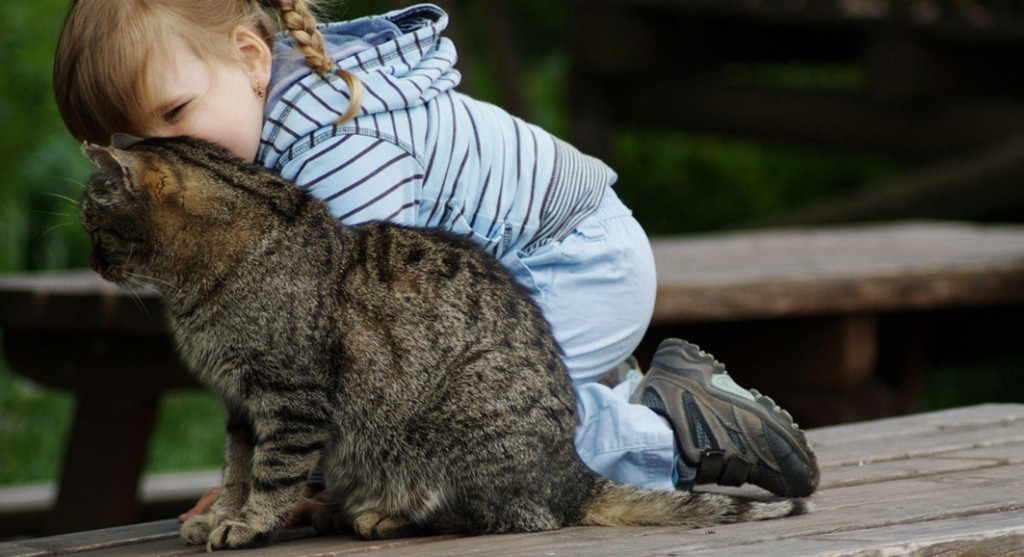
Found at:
<point>434,269</point>
<point>433,301</point>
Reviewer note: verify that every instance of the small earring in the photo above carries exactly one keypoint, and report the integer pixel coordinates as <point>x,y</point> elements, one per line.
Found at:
<point>260,91</point>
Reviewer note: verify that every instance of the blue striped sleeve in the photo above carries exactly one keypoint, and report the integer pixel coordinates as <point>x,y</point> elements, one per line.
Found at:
<point>361,178</point>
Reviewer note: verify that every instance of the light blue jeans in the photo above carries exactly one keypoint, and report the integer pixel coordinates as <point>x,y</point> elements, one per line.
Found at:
<point>596,287</point>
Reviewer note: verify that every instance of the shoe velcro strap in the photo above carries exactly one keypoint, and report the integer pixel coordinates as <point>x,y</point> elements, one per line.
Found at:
<point>736,471</point>
<point>710,467</point>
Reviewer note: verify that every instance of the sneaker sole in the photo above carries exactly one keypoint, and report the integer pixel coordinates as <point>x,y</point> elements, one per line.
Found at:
<point>772,415</point>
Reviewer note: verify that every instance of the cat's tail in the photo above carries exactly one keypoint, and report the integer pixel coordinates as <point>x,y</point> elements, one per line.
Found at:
<point>615,504</point>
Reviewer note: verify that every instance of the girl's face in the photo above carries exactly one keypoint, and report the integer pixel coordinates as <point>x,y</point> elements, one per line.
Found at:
<point>212,99</point>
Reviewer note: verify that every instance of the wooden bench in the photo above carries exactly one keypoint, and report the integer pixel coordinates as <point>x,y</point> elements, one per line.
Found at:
<point>814,317</point>
<point>788,311</point>
<point>944,483</point>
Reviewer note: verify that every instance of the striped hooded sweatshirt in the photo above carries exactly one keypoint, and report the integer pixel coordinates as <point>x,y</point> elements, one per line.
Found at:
<point>419,153</point>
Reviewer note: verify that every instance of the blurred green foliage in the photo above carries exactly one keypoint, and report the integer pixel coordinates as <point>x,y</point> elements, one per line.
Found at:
<point>41,168</point>
<point>188,434</point>
<point>678,182</point>
<point>33,425</point>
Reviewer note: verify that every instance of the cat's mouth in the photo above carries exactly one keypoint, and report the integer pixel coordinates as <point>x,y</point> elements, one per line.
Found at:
<point>110,267</point>
<point>111,272</point>
<point>112,255</point>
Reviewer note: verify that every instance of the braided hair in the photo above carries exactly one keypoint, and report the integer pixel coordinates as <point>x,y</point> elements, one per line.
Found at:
<point>298,19</point>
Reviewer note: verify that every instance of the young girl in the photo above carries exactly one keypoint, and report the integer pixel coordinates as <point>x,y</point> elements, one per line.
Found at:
<point>365,115</point>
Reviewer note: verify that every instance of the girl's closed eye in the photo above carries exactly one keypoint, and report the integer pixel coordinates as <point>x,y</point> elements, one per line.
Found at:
<point>172,115</point>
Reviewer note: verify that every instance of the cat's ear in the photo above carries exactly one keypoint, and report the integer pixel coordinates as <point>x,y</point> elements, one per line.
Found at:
<point>101,158</point>
<point>110,161</point>
<point>123,141</point>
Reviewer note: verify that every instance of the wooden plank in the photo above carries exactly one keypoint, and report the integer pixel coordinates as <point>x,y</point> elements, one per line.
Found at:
<point>921,446</point>
<point>97,540</point>
<point>891,471</point>
<point>979,417</point>
<point>907,266</point>
<point>922,466</point>
<point>924,445</point>
<point>297,542</point>
<point>77,301</point>
<point>988,534</point>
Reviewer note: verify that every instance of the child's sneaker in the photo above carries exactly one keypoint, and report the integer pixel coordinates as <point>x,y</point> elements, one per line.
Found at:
<point>726,434</point>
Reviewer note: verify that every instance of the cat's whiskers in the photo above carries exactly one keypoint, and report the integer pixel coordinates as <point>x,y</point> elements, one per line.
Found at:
<point>73,181</point>
<point>141,282</point>
<point>132,277</point>
<point>131,281</point>
<point>131,252</point>
<point>129,284</point>
<point>61,197</point>
<point>52,228</point>
<point>53,214</point>
<point>154,283</point>
<point>68,216</point>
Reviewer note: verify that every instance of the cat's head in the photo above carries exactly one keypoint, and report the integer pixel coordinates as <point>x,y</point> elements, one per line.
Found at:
<point>165,211</point>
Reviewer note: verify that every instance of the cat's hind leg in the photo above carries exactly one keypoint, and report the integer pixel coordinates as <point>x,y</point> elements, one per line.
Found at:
<point>507,516</point>
<point>407,510</point>
<point>372,525</point>
<point>369,525</point>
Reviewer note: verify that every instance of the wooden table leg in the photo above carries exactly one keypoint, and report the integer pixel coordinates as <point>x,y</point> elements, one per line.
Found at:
<point>117,379</point>
<point>104,461</point>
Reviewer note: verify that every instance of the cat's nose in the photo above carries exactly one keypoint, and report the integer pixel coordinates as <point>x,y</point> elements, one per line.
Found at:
<point>96,261</point>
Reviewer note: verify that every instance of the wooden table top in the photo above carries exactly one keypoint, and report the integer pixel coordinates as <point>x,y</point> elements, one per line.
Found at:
<point>716,277</point>
<point>815,271</point>
<point>947,483</point>
<point>77,300</point>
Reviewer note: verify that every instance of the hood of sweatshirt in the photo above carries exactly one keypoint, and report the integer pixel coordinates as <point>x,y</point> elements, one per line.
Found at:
<point>399,57</point>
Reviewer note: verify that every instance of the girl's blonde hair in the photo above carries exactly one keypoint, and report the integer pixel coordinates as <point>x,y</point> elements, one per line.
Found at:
<point>108,49</point>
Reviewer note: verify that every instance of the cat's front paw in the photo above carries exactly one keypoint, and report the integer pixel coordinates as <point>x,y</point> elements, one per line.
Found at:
<point>235,534</point>
<point>196,530</point>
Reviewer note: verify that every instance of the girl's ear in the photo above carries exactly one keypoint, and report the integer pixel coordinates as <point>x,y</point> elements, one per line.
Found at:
<point>253,52</point>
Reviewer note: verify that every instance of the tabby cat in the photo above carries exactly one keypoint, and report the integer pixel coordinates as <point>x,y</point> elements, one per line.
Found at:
<point>406,363</point>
